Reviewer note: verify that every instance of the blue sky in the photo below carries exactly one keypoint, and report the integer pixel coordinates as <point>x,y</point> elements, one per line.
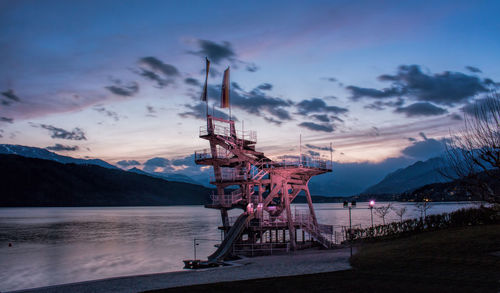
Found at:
<point>373,77</point>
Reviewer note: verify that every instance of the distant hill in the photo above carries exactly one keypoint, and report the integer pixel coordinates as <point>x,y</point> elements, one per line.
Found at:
<point>39,153</point>
<point>455,190</point>
<point>409,178</point>
<point>38,182</point>
<point>169,177</point>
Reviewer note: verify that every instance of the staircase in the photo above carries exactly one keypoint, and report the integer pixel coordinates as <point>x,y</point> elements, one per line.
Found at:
<point>308,226</point>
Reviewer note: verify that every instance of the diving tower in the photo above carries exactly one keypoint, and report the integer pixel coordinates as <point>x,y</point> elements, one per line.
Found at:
<point>263,189</point>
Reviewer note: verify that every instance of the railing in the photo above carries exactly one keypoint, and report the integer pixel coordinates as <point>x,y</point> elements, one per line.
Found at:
<point>259,249</point>
<point>228,175</point>
<point>226,199</point>
<point>203,154</point>
<point>248,135</point>
<point>304,161</point>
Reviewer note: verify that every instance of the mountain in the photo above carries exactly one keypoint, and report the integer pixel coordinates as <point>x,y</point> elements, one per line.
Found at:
<point>170,177</point>
<point>409,178</point>
<point>38,182</point>
<point>39,153</point>
<point>457,190</point>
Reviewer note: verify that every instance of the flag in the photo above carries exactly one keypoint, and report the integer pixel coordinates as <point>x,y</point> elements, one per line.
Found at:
<point>224,101</point>
<point>204,94</point>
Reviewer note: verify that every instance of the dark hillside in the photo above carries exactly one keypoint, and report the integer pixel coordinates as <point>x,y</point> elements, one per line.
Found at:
<point>36,182</point>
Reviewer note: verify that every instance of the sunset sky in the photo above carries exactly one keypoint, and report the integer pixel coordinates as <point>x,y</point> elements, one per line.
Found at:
<point>121,80</point>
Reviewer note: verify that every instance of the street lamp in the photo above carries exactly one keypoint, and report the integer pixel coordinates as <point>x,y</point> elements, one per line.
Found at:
<point>352,205</point>
<point>372,204</point>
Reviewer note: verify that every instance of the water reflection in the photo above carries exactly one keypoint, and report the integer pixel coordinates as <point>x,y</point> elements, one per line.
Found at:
<point>62,245</point>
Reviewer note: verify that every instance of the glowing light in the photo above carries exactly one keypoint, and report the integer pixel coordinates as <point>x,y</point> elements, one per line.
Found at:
<point>372,203</point>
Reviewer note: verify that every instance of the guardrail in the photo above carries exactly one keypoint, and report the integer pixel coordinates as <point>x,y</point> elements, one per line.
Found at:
<point>305,161</point>
<point>260,249</point>
<point>226,199</point>
<point>207,154</point>
<point>248,135</point>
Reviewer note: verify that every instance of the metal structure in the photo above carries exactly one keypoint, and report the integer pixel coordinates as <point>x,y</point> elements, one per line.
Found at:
<point>264,189</point>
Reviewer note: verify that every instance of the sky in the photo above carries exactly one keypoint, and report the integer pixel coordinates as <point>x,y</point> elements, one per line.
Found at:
<point>121,80</point>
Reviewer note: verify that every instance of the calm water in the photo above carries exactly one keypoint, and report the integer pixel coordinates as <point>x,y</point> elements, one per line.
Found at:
<point>63,245</point>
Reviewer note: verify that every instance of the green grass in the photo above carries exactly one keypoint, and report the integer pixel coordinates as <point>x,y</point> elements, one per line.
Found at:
<point>452,260</point>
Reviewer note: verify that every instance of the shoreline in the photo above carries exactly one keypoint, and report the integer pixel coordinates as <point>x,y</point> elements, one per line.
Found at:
<point>296,263</point>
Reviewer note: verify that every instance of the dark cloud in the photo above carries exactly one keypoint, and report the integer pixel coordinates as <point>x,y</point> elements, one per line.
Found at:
<point>473,69</point>
<point>64,148</point>
<point>425,149</point>
<point>421,109</point>
<point>317,127</point>
<point>157,65</point>
<point>215,52</point>
<point>152,164</point>
<point>321,117</point>
<point>155,70</point>
<point>251,67</point>
<point>160,82</point>
<point>192,81</point>
<point>313,153</point>
<point>265,87</point>
<point>199,112</point>
<point>330,79</point>
<point>423,136</point>
<point>479,105</point>
<point>447,88</point>
<point>257,102</point>
<point>411,139</point>
<point>236,86</point>
<point>127,163</point>
<point>106,112</point>
<point>55,132</point>
<point>6,120</point>
<point>381,105</point>
<point>9,94</point>
<point>316,105</point>
<point>359,92</point>
<point>121,89</point>
<point>151,111</point>
<point>321,148</point>
<point>272,120</point>
<point>456,116</point>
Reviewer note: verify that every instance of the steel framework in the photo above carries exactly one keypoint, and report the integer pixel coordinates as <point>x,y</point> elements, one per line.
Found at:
<point>263,189</point>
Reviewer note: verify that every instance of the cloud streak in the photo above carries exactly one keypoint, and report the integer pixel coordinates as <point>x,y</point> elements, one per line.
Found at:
<point>60,133</point>
<point>64,148</point>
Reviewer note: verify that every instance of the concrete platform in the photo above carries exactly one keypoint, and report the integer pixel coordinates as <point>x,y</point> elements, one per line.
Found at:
<point>297,263</point>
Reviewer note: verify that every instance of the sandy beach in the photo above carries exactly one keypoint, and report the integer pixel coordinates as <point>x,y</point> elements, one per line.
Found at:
<point>298,263</point>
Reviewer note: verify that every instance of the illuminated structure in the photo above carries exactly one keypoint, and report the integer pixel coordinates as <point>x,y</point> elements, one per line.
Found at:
<point>263,189</point>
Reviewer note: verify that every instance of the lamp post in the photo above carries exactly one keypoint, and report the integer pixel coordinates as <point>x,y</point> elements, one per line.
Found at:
<point>352,205</point>
<point>372,204</point>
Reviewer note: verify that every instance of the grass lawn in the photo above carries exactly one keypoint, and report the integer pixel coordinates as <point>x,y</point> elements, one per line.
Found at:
<point>452,260</point>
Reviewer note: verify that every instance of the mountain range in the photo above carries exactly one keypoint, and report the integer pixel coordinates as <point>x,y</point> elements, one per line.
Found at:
<point>338,183</point>
<point>410,178</point>
<point>39,153</point>
<point>39,182</point>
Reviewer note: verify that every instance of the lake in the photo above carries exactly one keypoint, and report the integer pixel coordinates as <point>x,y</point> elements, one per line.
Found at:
<point>63,245</point>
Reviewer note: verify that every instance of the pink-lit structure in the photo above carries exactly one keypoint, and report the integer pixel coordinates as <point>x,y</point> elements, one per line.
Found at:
<point>263,189</point>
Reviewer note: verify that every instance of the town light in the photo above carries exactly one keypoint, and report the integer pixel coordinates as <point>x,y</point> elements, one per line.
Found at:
<point>372,203</point>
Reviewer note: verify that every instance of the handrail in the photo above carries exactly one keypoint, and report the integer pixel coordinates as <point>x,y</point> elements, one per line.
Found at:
<point>216,129</point>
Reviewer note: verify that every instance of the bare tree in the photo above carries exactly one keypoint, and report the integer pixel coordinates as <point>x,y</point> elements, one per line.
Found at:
<point>400,212</point>
<point>382,211</point>
<point>422,207</point>
<point>473,153</point>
